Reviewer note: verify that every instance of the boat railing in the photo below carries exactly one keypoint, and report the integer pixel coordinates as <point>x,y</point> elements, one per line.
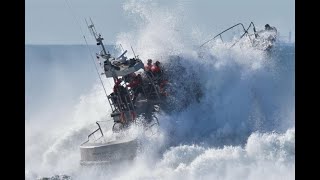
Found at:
<point>246,32</point>
<point>154,91</point>
<point>239,24</point>
<point>93,133</point>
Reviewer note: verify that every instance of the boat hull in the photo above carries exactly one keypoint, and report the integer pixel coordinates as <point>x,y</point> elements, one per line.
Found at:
<point>101,153</point>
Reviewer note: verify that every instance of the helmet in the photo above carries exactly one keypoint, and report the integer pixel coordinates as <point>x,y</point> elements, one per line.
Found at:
<point>150,60</point>
<point>157,63</point>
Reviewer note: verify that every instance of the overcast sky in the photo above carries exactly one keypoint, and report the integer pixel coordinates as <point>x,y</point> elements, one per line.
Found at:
<point>52,22</point>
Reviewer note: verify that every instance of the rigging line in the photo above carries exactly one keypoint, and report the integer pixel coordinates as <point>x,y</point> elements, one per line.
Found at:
<point>87,47</point>
<point>96,67</point>
<point>74,16</point>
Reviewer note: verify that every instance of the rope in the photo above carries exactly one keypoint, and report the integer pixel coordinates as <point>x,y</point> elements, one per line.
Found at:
<point>105,92</point>
<point>74,16</point>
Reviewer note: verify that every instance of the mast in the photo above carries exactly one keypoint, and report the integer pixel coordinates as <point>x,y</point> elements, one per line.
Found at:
<point>115,67</point>
<point>106,55</point>
<point>103,53</point>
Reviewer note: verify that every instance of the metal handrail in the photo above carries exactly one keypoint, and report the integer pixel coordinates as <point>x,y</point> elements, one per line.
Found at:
<point>93,133</point>
<point>153,85</point>
<point>245,32</point>
<point>100,128</point>
<point>223,32</point>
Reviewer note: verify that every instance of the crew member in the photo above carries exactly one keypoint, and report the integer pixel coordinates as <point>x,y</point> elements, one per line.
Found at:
<point>136,86</point>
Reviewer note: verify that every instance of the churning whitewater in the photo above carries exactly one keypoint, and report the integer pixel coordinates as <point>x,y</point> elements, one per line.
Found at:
<point>242,127</point>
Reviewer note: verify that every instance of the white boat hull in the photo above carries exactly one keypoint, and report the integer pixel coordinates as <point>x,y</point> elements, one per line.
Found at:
<point>99,153</point>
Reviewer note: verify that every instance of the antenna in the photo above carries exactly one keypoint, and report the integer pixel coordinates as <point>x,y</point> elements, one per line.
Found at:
<point>121,47</point>
<point>97,37</point>
<point>133,52</point>
<point>122,54</point>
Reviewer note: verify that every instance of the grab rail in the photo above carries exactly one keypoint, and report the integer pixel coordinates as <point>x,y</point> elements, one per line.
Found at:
<point>239,24</point>
<point>223,32</point>
<point>246,32</point>
<point>99,128</point>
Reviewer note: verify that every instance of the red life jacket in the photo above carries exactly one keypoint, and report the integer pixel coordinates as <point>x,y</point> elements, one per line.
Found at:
<point>116,86</point>
<point>155,69</point>
<point>135,82</point>
<point>147,67</point>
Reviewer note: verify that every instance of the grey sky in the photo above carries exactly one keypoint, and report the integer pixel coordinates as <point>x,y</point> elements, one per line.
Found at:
<point>51,22</point>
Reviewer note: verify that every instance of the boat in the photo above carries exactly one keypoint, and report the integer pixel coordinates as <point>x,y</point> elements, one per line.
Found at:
<point>262,40</point>
<point>127,104</point>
